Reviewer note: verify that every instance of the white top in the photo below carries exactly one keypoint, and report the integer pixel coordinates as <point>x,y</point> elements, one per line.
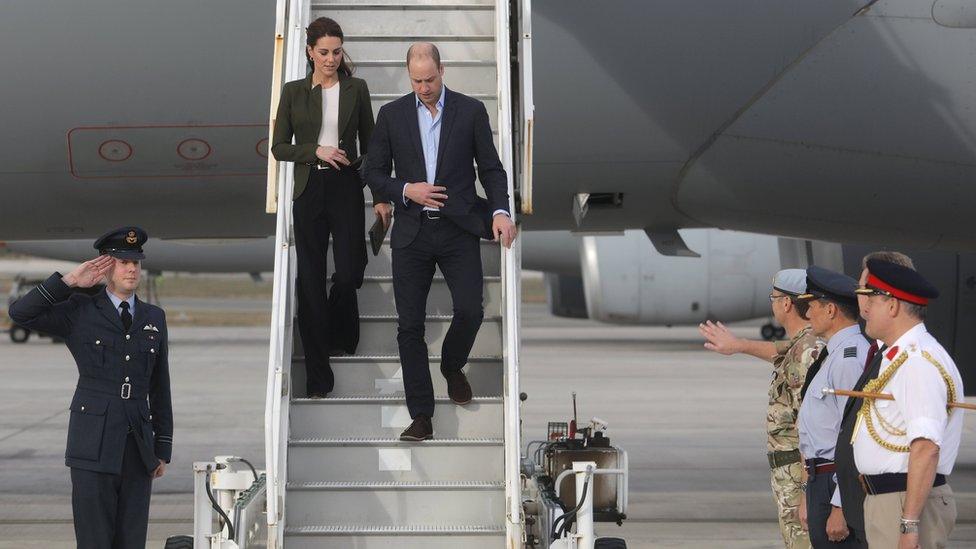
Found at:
<point>329,134</point>
<point>919,407</point>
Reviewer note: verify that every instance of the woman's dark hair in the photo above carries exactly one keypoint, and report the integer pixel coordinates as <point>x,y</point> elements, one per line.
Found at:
<point>323,26</point>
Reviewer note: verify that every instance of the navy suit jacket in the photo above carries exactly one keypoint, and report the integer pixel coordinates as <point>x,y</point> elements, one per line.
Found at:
<point>107,357</point>
<point>465,140</point>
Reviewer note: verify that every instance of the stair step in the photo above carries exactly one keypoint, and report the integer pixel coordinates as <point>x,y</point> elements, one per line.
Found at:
<point>401,537</point>
<point>356,486</point>
<point>376,296</point>
<point>387,6</point>
<point>478,79</point>
<point>421,506</point>
<point>396,48</point>
<point>388,459</point>
<point>400,20</point>
<point>378,335</point>
<point>357,375</point>
<point>388,416</point>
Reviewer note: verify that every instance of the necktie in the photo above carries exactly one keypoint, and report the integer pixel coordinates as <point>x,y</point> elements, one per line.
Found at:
<point>812,372</point>
<point>126,316</point>
<point>872,350</point>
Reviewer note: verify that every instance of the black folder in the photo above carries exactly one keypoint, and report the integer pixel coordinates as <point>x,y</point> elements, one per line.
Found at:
<point>377,233</point>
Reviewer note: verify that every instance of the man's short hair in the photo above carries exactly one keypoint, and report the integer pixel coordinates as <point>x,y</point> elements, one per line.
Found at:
<point>424,49</point>
<point>897,258</point>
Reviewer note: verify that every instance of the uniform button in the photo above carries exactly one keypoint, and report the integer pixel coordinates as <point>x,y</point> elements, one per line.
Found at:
<point>127,378</point>
<point>152,350</point>
<point>127,357</point>
<point>82,408</point>
<point>127,336</point>
<point>98,342</point>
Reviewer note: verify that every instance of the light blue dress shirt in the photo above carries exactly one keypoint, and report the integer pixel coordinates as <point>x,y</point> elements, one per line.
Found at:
<point>117,301</point>
<point>820,414</point>
<point>430,141</point>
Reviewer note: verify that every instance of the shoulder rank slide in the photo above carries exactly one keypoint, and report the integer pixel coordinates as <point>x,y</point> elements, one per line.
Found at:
<point>850,352</point>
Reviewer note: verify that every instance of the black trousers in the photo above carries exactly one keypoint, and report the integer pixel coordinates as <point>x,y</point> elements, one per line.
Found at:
<point>332,204</point>
<point>457,252</point>
<point>820,488</point>
<point>112,511</point>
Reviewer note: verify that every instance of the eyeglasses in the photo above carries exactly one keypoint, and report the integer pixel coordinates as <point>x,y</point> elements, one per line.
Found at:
<point>773,298</point>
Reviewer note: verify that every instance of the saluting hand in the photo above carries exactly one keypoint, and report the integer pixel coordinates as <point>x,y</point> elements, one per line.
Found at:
<point>332,155</point>
<point>504,229</point>
<point>89,273</point>
<point>425,194</point>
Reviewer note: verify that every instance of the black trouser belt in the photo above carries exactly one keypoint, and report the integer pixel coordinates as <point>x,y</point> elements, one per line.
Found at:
<point>887,483</point>
<point>782,458</point>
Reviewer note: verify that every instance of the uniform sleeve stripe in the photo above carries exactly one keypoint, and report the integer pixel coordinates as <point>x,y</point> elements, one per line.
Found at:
<point>46,294</point>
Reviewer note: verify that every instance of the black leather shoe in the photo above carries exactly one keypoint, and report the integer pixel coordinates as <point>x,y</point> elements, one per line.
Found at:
<point>459,389</point>
<point>420,429</point>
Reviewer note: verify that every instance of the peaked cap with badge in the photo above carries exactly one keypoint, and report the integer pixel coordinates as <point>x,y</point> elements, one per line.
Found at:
<point>898,281</point>
<point>123,243</point>
<point>826,284</point>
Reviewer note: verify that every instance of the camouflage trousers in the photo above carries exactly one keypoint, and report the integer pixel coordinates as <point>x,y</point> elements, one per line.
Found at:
<point>786,489</point>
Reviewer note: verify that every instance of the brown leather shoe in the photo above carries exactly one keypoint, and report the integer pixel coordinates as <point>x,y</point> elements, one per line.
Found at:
<point>459,389</point>
<point>420,429</point>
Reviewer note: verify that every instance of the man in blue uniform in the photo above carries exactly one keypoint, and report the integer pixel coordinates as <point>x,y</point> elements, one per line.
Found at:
<point>832,311</point>
<point>120,434</point>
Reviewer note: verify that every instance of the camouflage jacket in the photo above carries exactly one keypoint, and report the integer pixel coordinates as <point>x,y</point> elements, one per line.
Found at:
<point>789,370</point>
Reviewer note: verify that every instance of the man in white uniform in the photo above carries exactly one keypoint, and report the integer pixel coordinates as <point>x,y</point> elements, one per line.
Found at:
<point>906,447</point>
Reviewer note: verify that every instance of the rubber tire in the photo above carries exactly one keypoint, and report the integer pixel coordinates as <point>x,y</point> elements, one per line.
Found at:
<point>610,543</point>
<point>768,331</point>
<point>780,332</point>
<point>179,542</point>
<point>19,334</point>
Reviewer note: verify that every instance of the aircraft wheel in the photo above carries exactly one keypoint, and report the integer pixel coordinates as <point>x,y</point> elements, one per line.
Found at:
<point>179,542</point>
<point>610,543</point>
<point>768,332</point>
<point>780,333</point>
<point>19,334</point>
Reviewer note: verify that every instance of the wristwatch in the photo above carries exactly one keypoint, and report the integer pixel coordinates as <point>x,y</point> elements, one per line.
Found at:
<point>908,526</point>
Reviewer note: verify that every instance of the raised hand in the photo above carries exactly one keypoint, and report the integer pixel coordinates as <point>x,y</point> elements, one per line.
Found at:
<point>90,273</point>
<point>719,338</point>
<point>426,194</point>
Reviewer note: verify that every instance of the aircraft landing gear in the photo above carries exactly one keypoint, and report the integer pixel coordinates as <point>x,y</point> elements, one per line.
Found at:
<point>769,332</point>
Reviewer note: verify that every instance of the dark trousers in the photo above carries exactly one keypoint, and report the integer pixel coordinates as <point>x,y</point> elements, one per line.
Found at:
<point>820,488</point>
<point>457,252</point>
<point>112,511</point>
<point>332,204</point>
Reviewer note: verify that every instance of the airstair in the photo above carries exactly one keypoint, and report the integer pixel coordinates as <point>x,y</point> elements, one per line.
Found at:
<point>337,474</point>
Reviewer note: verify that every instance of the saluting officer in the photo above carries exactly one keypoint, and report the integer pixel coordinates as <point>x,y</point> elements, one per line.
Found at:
<point>833,313</point>
<point>120,434</point>
<point>906,447</point>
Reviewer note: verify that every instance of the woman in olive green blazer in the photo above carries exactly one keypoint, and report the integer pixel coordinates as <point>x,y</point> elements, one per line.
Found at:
<point>326,113</point>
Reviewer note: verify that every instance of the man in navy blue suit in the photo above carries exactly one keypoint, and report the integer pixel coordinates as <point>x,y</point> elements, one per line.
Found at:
<point>432,138</point>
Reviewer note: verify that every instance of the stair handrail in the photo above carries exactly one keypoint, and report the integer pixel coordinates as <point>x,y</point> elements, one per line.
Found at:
<point>511,289</point>
<point>290,20</point>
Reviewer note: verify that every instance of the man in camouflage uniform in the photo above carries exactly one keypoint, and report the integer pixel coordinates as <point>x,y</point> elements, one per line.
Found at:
<point>790,362</point>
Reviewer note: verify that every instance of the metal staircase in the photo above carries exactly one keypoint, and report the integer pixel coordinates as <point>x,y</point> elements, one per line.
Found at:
<point>338,476</point>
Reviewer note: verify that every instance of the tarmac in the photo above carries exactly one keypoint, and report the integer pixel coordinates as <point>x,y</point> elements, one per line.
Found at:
<point>692,422</point>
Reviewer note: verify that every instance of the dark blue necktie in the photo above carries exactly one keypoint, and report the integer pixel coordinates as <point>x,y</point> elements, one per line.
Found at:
<point>126,316</point>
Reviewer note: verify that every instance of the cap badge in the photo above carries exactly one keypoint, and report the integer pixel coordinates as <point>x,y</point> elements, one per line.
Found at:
<point>131,238</point>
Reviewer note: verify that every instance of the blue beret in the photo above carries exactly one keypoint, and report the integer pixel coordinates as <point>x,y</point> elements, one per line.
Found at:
<point>899,282</point>
<point>791,281</point>
<point>123,243</point>
<point>826,284</point>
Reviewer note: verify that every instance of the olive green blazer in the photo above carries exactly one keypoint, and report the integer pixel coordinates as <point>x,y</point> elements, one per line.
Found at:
<point>300,115</point>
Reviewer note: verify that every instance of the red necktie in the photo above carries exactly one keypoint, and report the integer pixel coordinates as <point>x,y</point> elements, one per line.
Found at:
<point>872,350</point>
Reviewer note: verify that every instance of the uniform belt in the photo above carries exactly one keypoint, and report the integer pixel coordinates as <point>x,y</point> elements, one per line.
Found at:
<point>123,390</point>
<point>783,457</point>
<point>818,466</point>
<point>888,483</point>
<point>432,215</point>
